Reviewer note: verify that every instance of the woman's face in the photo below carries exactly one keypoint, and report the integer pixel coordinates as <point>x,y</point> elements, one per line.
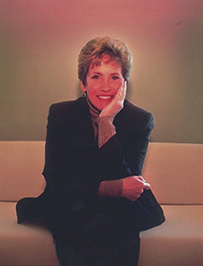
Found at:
<point>103,82</point>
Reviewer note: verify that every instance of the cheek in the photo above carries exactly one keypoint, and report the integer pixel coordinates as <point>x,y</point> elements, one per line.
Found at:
<point>92,86</point>
<point>116,84</point>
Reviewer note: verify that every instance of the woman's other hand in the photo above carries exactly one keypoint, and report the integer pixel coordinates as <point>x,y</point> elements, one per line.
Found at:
<point>116,105</point>
<point>133,187</point>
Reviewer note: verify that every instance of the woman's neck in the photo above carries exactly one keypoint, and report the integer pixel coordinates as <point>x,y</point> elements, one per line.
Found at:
<point>94,111</point>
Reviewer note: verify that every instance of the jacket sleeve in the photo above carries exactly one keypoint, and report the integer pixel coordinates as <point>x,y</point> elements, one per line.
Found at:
<point>115,160</point>
<point>53,160</point>
<point>52,149</point>
<point>128,158</point>
<point>135,152</point>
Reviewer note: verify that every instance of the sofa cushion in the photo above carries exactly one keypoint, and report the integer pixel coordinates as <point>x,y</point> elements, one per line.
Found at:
<point>178,241</point>
<point>175,171</point>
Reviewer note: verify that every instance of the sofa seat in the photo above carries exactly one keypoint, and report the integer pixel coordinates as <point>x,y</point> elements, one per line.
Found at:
<point>175,242</point>
<point>178,241</point>
<point>23,244</point>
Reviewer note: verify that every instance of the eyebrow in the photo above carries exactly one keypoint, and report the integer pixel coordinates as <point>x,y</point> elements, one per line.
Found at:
<point>99,73</point>
<point>115,73</point>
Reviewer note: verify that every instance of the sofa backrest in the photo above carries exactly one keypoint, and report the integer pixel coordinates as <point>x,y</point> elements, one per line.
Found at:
<point>21,164</point>
<point>175,171</point>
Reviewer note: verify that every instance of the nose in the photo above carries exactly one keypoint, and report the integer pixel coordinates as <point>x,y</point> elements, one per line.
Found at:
<point>105,86</point>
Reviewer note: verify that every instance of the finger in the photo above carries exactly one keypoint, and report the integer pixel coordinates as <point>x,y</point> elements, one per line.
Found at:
<point>125,86</point>
<point>147,186</point>
<point>141,178</point>
<point>123,90</point>
<point>117,98</point>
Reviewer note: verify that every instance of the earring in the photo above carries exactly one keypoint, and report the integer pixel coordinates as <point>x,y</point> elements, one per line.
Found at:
<point>84,94</point>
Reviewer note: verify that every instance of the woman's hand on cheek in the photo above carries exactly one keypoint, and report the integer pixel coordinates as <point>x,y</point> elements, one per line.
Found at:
<point>116,105</point>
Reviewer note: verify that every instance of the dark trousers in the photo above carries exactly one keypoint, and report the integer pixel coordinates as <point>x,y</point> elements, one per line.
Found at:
<point>91,254</point>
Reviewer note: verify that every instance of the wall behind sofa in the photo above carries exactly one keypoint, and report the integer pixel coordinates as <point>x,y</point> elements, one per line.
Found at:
<point>40,41</point>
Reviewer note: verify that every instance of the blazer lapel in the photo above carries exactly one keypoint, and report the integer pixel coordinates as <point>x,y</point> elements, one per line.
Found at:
<point>82,126</point>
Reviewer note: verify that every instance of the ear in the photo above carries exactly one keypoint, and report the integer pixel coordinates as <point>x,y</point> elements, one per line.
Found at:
<point>82,87</point>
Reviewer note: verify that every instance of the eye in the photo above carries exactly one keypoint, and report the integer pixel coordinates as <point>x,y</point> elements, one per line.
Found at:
<point>115,77</point>
<point>95,77</point>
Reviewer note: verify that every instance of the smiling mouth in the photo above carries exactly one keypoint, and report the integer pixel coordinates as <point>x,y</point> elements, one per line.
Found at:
<point>106,97</point>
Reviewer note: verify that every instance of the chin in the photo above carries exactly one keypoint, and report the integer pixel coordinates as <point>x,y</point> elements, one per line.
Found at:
<point>102,106</point>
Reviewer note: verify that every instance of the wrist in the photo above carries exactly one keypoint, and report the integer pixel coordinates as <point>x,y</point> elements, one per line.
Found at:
<point>111,188</point>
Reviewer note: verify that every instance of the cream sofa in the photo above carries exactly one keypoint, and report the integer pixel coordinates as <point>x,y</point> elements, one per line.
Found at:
<point>175,172</point>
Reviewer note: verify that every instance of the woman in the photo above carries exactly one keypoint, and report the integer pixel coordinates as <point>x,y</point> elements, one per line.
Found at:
<point>95,201</point>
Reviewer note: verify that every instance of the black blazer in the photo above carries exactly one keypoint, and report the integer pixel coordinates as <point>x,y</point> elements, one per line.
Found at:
<point>75,166</point>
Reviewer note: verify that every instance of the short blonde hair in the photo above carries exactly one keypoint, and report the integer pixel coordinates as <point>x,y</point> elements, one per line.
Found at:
<point>95,49</point>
